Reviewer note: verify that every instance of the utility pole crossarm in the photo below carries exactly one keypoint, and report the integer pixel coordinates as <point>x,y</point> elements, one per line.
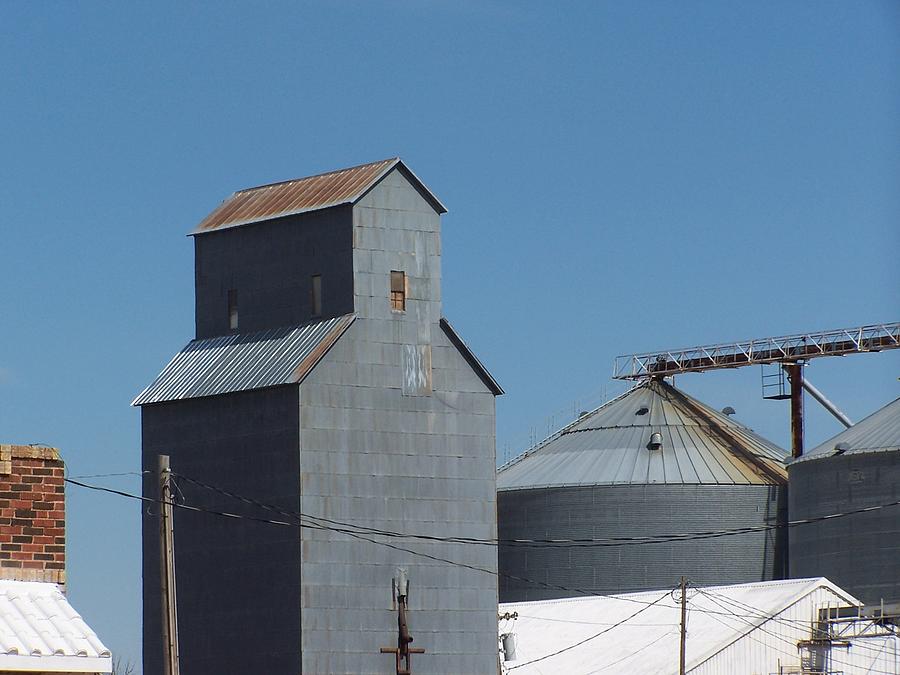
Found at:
<point>788,348</point>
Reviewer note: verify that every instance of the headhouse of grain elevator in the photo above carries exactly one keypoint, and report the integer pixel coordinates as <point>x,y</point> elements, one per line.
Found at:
<point>324,380</point>
<point>652,461</point>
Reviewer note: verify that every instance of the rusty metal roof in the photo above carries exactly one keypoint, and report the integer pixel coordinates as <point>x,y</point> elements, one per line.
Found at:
<point>344,186</point>
<point>612,446</point>
<point>241,362</point>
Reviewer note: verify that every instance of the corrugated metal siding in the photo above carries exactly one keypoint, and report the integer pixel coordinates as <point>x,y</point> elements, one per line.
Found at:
<point>860,552</point>
<point>632,511</point>
<point>610,446</point>
<point>241,362</point>
<point>266,202</point>
<point>878,432</point>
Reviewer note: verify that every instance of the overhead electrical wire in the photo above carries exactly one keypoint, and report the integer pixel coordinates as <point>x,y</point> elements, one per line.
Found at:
<point>551,543</point>
<point>594,636</point>
<point>362,536</point>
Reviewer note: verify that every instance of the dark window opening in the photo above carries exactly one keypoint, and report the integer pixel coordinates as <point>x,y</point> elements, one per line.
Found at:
<point>232,310</point>
<point>315,295</point>
<point>398,291</point>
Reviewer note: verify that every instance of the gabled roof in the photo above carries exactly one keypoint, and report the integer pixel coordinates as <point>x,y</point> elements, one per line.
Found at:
<point>240,362</point>
<point>40,631</point>
<point>276,200</point>
<point>639,633</point>
<point>879,432</point>
<point>471,359</point>
<point>611,446</point>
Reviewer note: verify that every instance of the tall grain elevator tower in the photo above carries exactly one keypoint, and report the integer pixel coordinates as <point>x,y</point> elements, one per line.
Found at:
<point>323,379</point>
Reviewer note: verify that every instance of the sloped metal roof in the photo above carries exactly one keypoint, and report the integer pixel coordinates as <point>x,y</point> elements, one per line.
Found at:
<point>610,446</point>
<point>344,186</point>
<point>240,362</point>
<point>40,631</point>
<point>879,432</point>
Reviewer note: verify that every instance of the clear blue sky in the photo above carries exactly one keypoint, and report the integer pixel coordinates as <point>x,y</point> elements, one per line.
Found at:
<point>620,177</point>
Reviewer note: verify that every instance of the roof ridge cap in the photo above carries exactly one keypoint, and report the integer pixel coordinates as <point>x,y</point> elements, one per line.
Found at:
<point>389,160</point>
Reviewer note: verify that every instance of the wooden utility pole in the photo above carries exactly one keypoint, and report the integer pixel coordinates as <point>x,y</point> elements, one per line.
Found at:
<point>167,569</point>
<point>683,625</point>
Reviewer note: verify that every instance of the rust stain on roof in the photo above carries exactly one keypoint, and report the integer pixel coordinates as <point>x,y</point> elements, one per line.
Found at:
<point>344,186</point>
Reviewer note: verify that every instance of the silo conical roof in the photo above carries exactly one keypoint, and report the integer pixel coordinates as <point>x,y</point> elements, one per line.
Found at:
<point>617,445</point>
<point>879,432</point>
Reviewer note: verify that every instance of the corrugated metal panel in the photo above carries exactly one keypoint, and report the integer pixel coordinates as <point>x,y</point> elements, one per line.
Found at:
<point>266,202</point>
<point>610,447</point>
<point>878,432</point>
<point>237,362</point>
<point>39,630</point>
<point>610,511</point>
<point>593,634</point>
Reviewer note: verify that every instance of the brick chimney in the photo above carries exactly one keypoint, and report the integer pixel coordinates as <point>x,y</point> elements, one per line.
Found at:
<point>32,514</point>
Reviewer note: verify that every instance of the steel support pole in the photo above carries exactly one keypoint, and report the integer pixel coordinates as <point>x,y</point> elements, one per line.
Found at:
<point>167,569</point>
<point>795,375</point>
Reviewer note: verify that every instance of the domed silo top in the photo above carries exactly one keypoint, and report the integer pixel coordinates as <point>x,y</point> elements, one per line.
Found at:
<point>879,432</point>
<point>653,433</point>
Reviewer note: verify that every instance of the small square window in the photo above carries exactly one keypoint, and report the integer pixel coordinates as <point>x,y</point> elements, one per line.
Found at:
<point>232,310</point>
<point>398,291</point>
<point>315,295</point>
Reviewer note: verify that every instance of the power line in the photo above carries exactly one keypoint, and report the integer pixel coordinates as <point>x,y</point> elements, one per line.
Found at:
<point>766,618</point>
<point>594,636</point>
<point>361,536</point>
<point>551,543</point>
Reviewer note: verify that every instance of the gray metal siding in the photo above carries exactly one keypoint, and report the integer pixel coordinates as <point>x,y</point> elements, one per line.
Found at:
<point>270,265</point>
<point>860,553</point>
<point>633,511</point>
<point>418,463</point>
<point>238,582</point>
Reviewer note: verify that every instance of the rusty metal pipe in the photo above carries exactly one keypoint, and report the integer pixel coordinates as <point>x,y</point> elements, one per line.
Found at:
<point>795,375</point>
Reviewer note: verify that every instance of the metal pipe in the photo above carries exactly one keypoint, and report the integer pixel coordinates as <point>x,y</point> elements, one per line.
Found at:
<point>828,405</point>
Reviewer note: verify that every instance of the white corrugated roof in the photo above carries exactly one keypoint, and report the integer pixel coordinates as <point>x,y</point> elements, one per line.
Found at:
<point>40,631</point>
<point>648,643</point>
<point>879,432</point>
<point>244,361</point>
<point>610,447</point>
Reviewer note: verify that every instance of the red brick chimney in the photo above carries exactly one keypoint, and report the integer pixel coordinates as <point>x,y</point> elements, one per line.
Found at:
<point>32,514</point>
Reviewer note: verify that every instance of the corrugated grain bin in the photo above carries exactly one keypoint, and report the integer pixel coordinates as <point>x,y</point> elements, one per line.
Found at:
<point>857,469</point>
<point>652,461</point>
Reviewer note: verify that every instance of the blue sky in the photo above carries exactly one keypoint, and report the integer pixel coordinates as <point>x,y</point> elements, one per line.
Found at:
<point>620,177</point>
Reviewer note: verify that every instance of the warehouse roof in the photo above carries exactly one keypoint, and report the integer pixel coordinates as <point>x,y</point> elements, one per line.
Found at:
<point>639,633</point>
<point>879,432</point>
<point>616,445</point>
<point>40,631</point>
<point>276,200</point>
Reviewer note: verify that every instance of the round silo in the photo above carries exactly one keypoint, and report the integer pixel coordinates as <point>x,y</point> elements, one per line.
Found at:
<point>652,461</point>
<point>857,469</point>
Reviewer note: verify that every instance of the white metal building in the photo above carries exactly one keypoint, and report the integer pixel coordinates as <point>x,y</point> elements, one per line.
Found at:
<point>754,629</point>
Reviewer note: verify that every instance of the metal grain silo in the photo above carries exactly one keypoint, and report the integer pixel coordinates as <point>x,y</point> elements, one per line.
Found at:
<point>652,461</point>
<point>858,468</point>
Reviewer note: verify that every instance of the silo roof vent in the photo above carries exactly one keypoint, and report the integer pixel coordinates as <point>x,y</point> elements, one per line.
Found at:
<point>655,441</point>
